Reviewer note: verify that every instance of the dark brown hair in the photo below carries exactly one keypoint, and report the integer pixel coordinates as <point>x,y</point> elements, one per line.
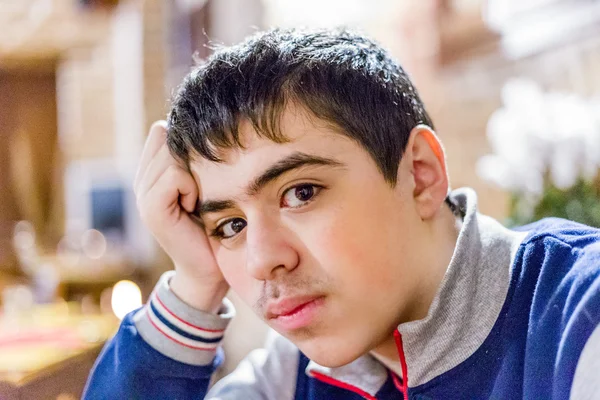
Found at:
<point>342,77</point>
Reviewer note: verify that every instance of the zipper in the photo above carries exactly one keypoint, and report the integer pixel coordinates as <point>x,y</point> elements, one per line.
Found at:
<point>403,387</point>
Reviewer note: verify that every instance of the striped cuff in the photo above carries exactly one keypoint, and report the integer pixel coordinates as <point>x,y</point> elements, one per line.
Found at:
<point>179,331</point>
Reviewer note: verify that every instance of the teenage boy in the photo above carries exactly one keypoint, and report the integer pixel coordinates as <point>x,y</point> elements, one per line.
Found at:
<point>301,169</point>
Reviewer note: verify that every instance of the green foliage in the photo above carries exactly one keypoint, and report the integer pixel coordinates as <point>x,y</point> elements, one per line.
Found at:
<point>580,203</point>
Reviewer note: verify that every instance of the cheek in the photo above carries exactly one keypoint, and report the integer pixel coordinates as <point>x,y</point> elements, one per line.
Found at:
<point>232,266</point>
<point>352,242</point>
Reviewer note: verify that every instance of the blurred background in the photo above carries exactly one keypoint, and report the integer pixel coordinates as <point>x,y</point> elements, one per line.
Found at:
<point>512,86</point>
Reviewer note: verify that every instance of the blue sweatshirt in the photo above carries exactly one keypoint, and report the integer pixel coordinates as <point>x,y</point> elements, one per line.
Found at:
<point>517,315</point>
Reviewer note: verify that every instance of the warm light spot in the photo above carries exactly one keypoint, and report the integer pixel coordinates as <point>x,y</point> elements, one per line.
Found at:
<point>126,297</point>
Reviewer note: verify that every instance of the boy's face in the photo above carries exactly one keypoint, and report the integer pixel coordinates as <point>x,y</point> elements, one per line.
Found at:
<point>316,241</point>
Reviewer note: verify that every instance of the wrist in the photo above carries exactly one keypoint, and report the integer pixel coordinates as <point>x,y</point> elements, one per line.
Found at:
<point>205,297</point>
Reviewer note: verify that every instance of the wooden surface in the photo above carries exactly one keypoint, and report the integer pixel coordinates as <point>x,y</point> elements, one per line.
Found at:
<point>48,353</point>
<point>63,380</point>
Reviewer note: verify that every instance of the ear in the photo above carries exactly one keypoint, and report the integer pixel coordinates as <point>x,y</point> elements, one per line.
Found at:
<point>426,162</point>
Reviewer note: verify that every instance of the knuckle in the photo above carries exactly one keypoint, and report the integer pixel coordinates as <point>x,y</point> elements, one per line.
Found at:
<point>173,169</point>
<point>173,172</point>
<point>158,128</point>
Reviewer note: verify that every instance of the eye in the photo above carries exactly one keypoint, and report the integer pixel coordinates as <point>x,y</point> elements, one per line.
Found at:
<point>230,228</point>
<point>300,195</point>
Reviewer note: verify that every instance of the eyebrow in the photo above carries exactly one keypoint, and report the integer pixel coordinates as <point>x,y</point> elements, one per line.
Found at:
<point>293,161</point>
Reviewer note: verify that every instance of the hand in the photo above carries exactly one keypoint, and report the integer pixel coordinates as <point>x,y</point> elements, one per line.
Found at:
<point>166,193</point>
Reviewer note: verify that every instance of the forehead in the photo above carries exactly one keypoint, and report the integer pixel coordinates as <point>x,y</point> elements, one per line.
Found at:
<point>305,133</point>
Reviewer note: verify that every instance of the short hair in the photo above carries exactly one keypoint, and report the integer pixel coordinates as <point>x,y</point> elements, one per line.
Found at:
<point>340,76</point>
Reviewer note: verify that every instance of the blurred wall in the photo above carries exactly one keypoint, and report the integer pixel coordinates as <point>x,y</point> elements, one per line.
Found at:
<point>8,202</point>
<point>28,128</point>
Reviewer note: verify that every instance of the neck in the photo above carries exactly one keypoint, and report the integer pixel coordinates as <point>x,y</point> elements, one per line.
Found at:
<point>443,231</point>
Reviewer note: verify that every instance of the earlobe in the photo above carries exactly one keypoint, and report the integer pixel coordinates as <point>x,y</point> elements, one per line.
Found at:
<point>428,169</point>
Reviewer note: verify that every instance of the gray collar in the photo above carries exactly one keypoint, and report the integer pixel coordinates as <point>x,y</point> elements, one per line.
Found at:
<point>475,285</point>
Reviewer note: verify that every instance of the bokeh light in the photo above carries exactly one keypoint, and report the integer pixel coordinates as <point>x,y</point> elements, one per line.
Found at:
<point>126,297</point>
<point>93,243</point>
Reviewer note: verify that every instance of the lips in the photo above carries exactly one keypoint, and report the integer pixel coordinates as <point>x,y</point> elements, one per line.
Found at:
<point>288,305</point>
<point>294,312</point>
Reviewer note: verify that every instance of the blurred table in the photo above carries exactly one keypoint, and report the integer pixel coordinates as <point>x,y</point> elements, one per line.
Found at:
<point>48,352</point>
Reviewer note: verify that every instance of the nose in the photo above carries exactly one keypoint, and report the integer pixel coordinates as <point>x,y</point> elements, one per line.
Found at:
<point>269,249</point>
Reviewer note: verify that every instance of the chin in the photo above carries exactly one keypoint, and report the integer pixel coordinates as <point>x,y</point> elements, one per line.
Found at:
<point>329,352</point>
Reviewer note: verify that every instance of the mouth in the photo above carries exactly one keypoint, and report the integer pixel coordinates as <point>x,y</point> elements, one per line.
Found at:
<point>293,313</point>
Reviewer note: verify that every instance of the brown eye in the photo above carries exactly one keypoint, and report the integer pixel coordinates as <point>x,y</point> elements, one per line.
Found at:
<point>232,227</point>
<point>304,193</point>
<point>298,196</point>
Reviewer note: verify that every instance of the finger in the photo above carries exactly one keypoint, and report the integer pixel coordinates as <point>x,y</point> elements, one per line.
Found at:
<point>164,195</point>
<point>188,192</point>
<point>158,202</point>
<point>161,162</point>
<point>156,138</point>
<point>180,179</point>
